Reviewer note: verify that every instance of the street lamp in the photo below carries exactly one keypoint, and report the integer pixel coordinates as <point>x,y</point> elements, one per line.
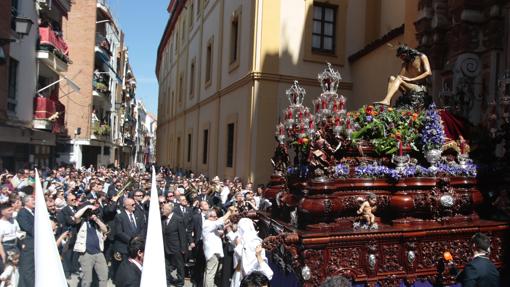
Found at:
<point>23,25</point>
<point>22,28</point>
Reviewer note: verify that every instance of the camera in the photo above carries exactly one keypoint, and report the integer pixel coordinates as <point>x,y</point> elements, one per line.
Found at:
<point>91,211</point>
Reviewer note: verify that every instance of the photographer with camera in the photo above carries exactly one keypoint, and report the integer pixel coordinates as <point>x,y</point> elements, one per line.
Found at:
<point>89,244</point>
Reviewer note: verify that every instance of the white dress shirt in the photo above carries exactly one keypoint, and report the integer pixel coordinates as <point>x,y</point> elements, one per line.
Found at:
<point>212,241</point>
<point>225,191</point>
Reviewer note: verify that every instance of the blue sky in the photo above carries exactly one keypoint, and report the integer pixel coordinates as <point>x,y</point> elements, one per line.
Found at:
<point>143,23</point>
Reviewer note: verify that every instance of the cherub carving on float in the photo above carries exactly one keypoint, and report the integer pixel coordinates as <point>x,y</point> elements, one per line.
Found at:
<point>366,212</point>
<point>410,81</point>
<point>321,153</point>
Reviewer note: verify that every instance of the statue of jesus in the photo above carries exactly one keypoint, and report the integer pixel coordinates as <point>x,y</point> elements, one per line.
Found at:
<point>415,69</point>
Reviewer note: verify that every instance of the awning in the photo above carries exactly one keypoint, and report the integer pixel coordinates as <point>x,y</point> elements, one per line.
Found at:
<point>105,59</point>
<point>69,82</point>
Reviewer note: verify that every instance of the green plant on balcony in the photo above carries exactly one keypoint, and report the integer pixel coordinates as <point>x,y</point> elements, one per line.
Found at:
<point>101,129</point>
<point>100,87</point>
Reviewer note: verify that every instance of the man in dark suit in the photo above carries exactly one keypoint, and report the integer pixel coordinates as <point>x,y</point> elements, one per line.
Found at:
<point>204,195</point>
<point>162,188</point>
<point>66,219</point>
<point>127,225</point>
<point>197,249</point>
<point>113,189</point>
<point>480,271</point>
<point>109,211</point>
<point>184,211</point>
<point>130,271</point>
<point>140,200</point>
<point>174,240</point>
<point>25,220</point>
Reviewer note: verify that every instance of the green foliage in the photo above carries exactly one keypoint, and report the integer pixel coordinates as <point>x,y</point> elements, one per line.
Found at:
<point>101,129</point>
<point>384,127</point>
<point>101,87</point>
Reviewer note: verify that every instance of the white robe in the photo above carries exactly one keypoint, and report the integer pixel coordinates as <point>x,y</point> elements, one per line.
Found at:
<point>245,259</point>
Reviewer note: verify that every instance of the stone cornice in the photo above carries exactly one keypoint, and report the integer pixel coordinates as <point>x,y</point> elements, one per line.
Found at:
<point>249,78</point>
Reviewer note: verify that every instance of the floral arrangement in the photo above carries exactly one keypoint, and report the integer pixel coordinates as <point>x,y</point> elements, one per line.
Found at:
<point>432,135</point>
<point>387,128</point>
<point>301,171</point>
<point>301,141</point>
<point>342,170</point>
<point>374,171</point>
<point>470,170</point>
<point>380,171</point>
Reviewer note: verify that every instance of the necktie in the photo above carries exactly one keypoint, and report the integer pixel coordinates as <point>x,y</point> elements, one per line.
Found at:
<point>183,210</point>
<point>132,219</point>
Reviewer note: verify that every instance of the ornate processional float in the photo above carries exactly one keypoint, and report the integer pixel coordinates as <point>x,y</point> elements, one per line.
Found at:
<point>376,195</point>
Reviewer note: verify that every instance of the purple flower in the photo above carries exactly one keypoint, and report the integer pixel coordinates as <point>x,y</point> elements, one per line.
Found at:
<point>290,170</point>
<point>342,170</point>
<point>432,134</point>
<point>469,170</point>
<point>380,171</point>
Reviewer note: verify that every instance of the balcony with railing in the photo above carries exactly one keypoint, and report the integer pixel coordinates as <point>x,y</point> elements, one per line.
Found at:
<point>100,86</point>
<point>49,113</point>
<point>52,49</point>
<point>101,129</point>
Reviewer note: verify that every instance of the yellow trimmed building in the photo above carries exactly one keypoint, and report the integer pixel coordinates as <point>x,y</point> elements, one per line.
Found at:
<point>223,68</point>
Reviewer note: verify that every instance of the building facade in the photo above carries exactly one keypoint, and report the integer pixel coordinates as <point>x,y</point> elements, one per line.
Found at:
<point>100,117</point>
<point>145,135</point>
<point>223,68</point>
<point>31,117</point>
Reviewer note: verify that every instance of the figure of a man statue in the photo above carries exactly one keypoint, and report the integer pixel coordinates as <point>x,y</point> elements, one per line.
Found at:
<point>411,79</point>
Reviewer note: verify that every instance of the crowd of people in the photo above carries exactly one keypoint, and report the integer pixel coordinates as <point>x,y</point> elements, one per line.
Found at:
<point>99,217</point>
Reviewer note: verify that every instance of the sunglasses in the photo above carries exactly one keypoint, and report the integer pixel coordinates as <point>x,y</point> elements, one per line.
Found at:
<point>170,195</point>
